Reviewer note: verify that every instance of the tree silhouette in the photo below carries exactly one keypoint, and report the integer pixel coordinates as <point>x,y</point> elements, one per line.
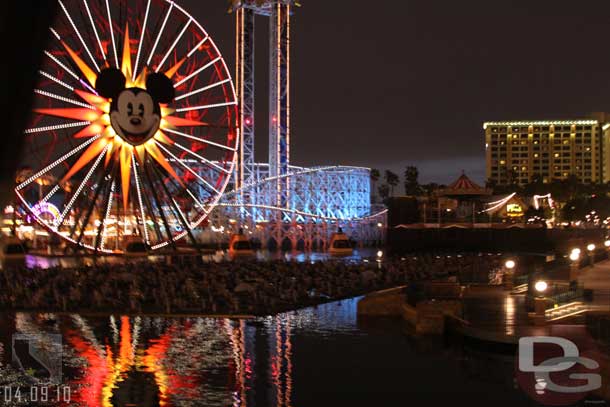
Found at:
<point>375,175</point>
<point>392,180</point>
<point>384,191</point>
<point>412,186</point>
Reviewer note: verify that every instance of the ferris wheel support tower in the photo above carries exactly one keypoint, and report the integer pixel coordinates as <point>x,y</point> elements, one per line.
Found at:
<point>278,12</point>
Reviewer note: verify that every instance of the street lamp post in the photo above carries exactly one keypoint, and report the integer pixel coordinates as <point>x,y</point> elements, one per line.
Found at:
<point>591,253</point>
<point>509,274</point>
<point>540,303</point>
<point>574,264</point>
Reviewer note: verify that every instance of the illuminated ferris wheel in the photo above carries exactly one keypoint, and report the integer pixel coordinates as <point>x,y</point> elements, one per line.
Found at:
<point>133,131</point>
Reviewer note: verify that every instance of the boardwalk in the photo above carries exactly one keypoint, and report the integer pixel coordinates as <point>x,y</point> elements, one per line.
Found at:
<point>597,278</point>
<point>496,314</point>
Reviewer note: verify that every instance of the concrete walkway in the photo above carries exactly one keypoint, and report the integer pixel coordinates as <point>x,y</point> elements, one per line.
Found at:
<point>597,278</point>
<point>498,315</point>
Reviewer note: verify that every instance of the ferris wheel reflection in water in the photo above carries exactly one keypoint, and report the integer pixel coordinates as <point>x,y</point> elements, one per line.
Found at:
<point>167,362</point>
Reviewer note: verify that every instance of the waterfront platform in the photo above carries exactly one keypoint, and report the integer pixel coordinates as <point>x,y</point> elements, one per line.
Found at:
<point>493,314</point>
<point>498,315</point>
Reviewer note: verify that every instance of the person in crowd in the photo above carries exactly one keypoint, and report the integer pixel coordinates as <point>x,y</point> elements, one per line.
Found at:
<point>259,288</point>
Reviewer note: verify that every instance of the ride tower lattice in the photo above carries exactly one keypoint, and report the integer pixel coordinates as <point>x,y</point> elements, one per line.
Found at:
<point>278,204</point>
<point>278,12</point>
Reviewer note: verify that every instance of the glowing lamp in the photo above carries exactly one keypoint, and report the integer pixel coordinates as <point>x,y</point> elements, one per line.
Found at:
<point>380,225</point>
<point>380,254</point>
<point>510,264</point>
<point>576,250</point>
<point>590,247</point>
<point>574,256</point>
<point>607,243</point>
<point>541,286</point>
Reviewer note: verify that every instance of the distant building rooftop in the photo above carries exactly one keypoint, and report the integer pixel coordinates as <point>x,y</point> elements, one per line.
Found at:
<point>585,122</point>
<point>463,186</point>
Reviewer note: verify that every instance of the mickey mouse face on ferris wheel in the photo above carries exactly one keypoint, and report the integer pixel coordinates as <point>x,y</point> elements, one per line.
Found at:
<point>135,114</point>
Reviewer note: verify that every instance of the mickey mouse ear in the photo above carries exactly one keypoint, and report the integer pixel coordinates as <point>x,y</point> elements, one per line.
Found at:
<point>160,87</point>
<point>110,83</point>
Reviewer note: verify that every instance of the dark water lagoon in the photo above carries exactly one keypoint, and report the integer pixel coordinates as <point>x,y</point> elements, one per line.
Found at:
<point>314,357</point>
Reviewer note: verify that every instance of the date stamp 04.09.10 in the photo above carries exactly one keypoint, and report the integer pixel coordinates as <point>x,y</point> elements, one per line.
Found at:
<point>37,360</point>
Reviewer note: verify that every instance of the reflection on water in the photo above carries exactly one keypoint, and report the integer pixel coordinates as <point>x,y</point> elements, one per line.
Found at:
<point>115,361</point>
<point>34,261</point>
<point>319,356</point>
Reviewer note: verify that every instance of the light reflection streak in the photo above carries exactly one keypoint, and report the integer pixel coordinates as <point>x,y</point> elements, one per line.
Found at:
<point>185,357</point>
<point>509,315</point>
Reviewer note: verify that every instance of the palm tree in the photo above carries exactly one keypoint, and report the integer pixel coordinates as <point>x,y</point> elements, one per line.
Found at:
<point>384,191</point>
<point>392,179</point>
<point>375,175</point>
<point>412,186</point>
<point>490,184</point>
<point>572,185</point>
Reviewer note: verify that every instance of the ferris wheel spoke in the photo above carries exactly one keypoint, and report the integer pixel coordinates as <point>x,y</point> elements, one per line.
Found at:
<point>62,99</point>
<point>81,210</point>
<point>61,219</point>
<point>155,196</point>
<point>50,194</point>
<point>206,107</point>
<point>150,209</point>
<point>135,69</point>
<point>171,49</point>
<point>205,160</point>
<point>116,55</point>
<point>200,140</point>
<point>106,219</point>
<point>189,169</point>
<point>55,33</point>
<point>154,48</point>
<point>200,90</point>
<point>61,65</point>
<point>199,45</point>
<point>107,201</point>
<point>61,160</point>
<point>78,79</point>
<point>174,69</point>
<point>57,81</point>
<point>202,206</point>
<point>178,212</point>
<point>80,37</point>
<point>198,71</point>
<point>139,192</point>
<point>100,186</point>
<point>56,127</point>
<point>97,36</point>
<point>192,195</point>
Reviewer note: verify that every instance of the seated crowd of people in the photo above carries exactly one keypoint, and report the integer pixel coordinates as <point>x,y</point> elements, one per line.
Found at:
<point>259,288</point>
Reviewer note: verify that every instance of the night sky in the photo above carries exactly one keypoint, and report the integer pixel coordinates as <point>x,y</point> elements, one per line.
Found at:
<point>390,83</point>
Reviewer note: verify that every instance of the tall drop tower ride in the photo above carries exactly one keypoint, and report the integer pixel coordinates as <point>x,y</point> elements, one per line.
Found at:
<point>278,12</point>
<point>279,204</point>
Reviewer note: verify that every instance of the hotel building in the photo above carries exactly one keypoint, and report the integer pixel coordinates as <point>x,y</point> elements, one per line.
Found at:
<point>520,152</point>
